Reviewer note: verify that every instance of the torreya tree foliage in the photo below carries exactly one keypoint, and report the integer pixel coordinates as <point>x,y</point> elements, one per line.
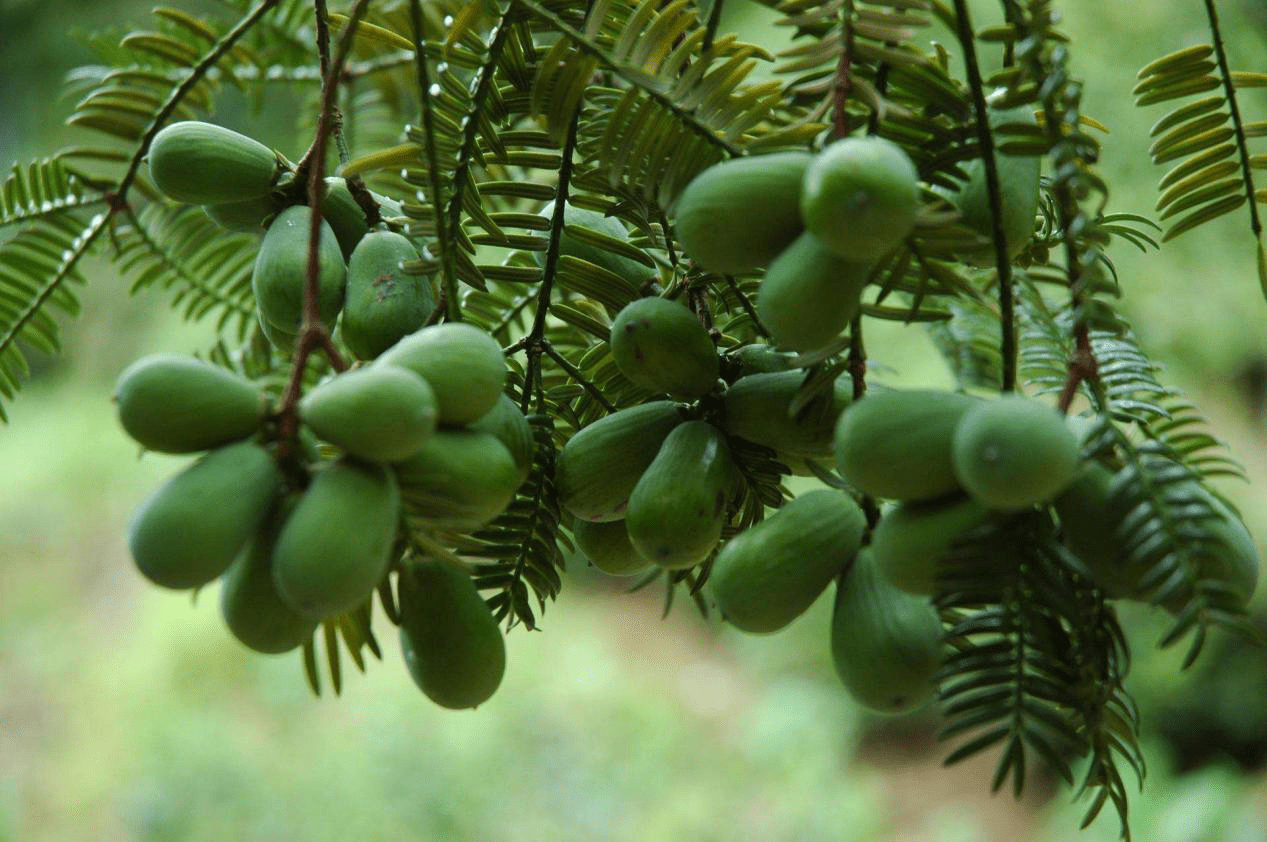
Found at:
<point>545,275</point>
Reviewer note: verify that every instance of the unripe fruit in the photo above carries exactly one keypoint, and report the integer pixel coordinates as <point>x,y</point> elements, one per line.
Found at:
<point>176,404</point>
<point>886,644</point>
<point>336,545</point>
<point>760,359</point>
<point>1014,452</point>
<point>464,365</point>
<point>771,573</point>
<point>201,163</point>
<point>740,214</point>
<point>678,508</point>
<point>809,295</point>
<point>281,271</point>
<point>245,214</point>
<point>377,414</point>
<point>898,444</point>
<point>347,220</point>
<point>452,646</point>
<point>599,466</point>
<point>608,548</point>
<point>609,226</point>
<point>1018,191</point>
<point>252,609</point>
<point>911,538</point>
<point>757,409</point>
<point>190,530</point>
<point>511,428</point>
<point>461,479</point>
<point>660,345</point>
<point>860,197</point>
<point>384,303</point>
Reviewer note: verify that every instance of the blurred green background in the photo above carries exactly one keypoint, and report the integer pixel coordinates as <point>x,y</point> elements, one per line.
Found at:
<point>129,713</point>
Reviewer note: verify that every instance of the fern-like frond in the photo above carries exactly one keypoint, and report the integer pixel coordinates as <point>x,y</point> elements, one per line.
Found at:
<point>1206,139</point>
<point>41,189</point>
<point>206,271</point>
<point>37,269</point>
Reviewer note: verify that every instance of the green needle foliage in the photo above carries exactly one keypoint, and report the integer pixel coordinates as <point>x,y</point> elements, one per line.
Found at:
<point>463,118</point>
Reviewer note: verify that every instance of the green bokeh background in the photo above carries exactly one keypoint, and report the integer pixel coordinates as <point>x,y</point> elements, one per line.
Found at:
<point>128,713</point>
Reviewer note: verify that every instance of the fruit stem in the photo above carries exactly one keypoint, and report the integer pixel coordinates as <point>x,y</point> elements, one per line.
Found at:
<point>844,81</point>
<point>575,374</point>
<point>746,304</point>
<point>1007,305</point>
<point>535,336</point>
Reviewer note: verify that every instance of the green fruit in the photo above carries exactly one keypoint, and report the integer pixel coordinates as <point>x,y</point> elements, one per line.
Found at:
<point>190,530</point>
<point>809,295</point>
<point>609,226</point>
<point>678,508</point>
<point>376,414</point>
<point>599,466</point>
<point>757,408</point>
<point>911,539</point>
<point>347,220</point>
<point>898,444</point>
<point>740,214</point>
<point>177,404</point>
<point>608,547</point>
<point>384,303</point>
<point>283,340</point>
<point>760,359</point>
<point>245,214</point>
<point>281,271</point>
<point>512,429</point>
<point>1014,452</point>
<point>886,644</point>
<point>464,365</point>
<point>336,546</point>
<point>461,479</point>
<point>201,164</point>
<point>254,612</point>
<point>860,197</point>
<point>1018,190</point>
<point>452,646</point>
<point>1091,516</point>
<point>771,573</point>
<point>660,345</point>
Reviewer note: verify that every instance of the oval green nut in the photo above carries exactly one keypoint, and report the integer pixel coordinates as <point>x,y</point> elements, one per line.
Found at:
<point>608,547</point>
<point>336,546</point>
<point>384,303</point>
<point>911,538</point>
<point>464,365</point>
<point>809,295</point>
<point>660,345</point>
<point>347,220</point>
<point>461,479</point>
<point>599,466</point>
<point>860,197</point>
<point>738,215</point>
<point>245,214</point>
<point>252,609</point>
<point>512,429</point>
<point>678,508</point>
<point>759,408</point>
<point>771,573</point>
<point>177,404</point>
<point>1014,452</point>
<point>897,444</point>
<point>886,644</point>
<point>202,163</point>
<point>451,643</point>
<point>281,271</point>
<point>376,414</point>
<point>192,528</point>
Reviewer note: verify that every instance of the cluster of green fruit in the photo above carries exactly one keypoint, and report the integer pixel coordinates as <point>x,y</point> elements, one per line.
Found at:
<point>426,425</point>
<point>824,221</point>
<point>245,186</point>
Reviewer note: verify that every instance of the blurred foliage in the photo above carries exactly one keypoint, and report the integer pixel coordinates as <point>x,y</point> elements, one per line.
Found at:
<point>130,715</point>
